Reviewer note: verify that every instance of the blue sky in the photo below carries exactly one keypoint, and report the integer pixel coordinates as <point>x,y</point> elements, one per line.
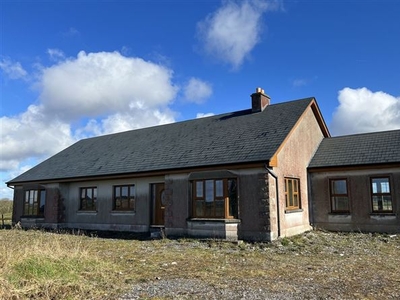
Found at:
<point>75,69</point>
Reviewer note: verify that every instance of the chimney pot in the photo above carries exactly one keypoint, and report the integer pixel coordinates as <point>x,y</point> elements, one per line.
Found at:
<point>259,100</point>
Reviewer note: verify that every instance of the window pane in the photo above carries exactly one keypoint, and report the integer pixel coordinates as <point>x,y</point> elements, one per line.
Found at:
<point>117,191</point>
<point>124,191</point>
<point>83,204</point>
<point>382,203</point>
<point>89,193</point>
<point>209,209</point>
<point>290,191</point>
<point>387,203</point>
<point>199,189</point>
<point>340,203</point>
<point>94,192</point>
<point>380,185</point>
<point>199,208</point>
<point>295,200</point>
<point>209,190</point>
<point>339,187</point>
<point>124,204</point>
<point>219,208</point>
<point>132,191</point>
<point>219,188</point>
<point>385,187</point>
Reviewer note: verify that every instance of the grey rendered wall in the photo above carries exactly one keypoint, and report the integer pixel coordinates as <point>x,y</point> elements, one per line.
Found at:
<point>361,217</point>
<point>104,218</point>
<point>178,201</point>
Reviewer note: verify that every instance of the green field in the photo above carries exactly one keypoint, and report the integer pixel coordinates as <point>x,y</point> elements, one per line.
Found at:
<point>315,265</point>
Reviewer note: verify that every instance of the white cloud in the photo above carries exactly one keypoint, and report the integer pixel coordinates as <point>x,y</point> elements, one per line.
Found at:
<point>31,134</point>
<point>55,54</point>
<point>6,192</point>
<point>13,70</point>
<point>204,115</point>
<point>361,110</point>
<point>231,32</point>
<point>101,83</point>
<point>197,91</point>
<point>92,94</point>
<point>134,119</point>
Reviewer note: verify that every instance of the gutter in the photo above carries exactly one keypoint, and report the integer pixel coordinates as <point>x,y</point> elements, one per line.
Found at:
<point>277,199</point>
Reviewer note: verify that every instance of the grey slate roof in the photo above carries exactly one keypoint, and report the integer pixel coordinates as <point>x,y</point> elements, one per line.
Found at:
<point>359,149</point>
<point>238,137</point>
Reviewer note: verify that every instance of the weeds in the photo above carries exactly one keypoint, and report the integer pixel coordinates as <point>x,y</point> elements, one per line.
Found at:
<point>43,265</point>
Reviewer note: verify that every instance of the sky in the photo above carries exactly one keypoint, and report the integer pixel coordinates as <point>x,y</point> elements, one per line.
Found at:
<point>76,69</point>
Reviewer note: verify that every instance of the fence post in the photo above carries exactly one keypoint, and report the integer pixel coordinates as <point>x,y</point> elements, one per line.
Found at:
<point>2,221</point>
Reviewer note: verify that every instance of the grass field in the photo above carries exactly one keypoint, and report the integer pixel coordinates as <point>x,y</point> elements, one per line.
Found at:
<point>45,265</point>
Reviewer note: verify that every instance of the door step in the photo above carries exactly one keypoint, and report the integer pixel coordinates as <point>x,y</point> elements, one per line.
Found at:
<point>157,232</point>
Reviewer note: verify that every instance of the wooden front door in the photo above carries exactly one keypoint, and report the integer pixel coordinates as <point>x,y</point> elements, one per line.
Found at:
<point>158,190</point>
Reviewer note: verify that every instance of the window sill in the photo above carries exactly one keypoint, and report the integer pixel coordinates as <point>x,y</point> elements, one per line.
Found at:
<point>87,212</point>
<point>214,220</point>
<point>31,220</point>
<point>339,217</point>
<point>122,212</point>
<point>291,211</point>
<point>380,216</point>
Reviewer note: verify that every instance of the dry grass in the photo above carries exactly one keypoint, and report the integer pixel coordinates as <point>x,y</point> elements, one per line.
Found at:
<point>43,265</point>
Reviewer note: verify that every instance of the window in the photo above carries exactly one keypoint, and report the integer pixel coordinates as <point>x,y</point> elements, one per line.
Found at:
<point>124,197</point>
<point>292,194</point>
<point>215,198</point>
<point>339,195</point>
<point>34,202</point>
<point>88,198</point>
<point>381,195</point>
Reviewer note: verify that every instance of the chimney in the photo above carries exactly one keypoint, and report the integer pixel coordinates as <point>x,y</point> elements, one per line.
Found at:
<point>259,100</point>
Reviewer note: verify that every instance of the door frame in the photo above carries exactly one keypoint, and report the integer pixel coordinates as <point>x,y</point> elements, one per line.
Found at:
<point>157,208</point>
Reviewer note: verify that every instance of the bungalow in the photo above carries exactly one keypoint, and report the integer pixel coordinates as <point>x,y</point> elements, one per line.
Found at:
<point>239,175</point>
<point>256,174</point>
<point>355,183</point>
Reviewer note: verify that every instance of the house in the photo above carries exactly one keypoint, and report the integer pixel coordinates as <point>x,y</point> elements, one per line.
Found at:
<point>355,183</point>
<point>239,175</point>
